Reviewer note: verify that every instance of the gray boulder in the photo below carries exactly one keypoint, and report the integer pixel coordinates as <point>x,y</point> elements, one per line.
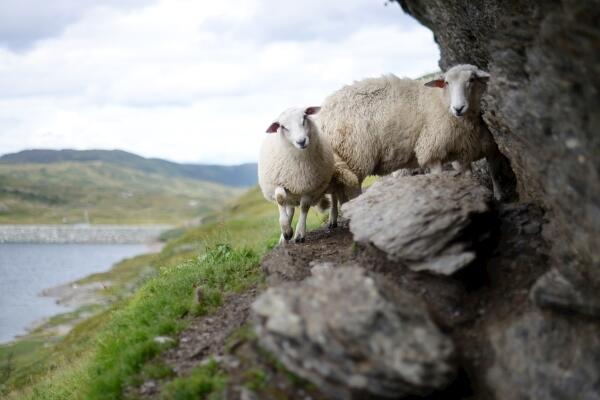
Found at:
<point>354,335</point>
<point>428,222</point>
<point>538,357</point>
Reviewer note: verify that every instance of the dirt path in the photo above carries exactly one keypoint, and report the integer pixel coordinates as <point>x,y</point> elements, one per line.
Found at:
<point>207,336</point>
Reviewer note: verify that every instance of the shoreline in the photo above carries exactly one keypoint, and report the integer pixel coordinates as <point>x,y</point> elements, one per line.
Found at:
<point>81,233</point>
<point>80,299</point>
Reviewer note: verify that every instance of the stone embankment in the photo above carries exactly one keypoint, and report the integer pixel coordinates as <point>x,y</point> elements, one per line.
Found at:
<point>109,234</point>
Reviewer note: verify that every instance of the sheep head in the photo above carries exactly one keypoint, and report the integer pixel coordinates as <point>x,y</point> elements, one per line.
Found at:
<point>294,125</point>
<point>463,87</point>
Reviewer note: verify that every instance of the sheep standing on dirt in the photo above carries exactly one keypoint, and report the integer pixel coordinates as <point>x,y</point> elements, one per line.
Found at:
<point>379,125</point>
<point>295,168</point>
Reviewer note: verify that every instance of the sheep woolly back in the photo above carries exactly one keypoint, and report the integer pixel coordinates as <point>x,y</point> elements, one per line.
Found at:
<point>379,125</point>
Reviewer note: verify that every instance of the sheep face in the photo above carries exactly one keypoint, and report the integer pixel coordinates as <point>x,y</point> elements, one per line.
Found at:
<point>294,125</point>
<point>463,87</point>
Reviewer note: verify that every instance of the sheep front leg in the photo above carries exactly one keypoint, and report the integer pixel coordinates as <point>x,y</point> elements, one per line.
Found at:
<point>290,213</point>
<point>301,226</point>
<point>285,224</point>
<point>333,211</point>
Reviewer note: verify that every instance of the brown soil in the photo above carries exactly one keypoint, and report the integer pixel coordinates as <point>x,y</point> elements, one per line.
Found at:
<point>466,305</point>
<point>207,336</point>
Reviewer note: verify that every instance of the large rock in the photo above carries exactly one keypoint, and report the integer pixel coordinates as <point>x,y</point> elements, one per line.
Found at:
<point>542,106</point>
<point>428,222</point>
<point>354,335</point>
<point>538,357</point>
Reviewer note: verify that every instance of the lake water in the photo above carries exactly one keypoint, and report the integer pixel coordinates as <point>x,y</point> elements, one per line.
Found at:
<point>27,269</point>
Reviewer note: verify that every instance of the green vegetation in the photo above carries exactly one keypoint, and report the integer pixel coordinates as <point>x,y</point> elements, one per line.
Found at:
<point>243,175</point>
<point>101,356</point>
<point>205,382</point>
<point>256,379</point>
<point>369,180</point>
<point>430,76</point>
<point>101,193</point>
<point>157,309</point>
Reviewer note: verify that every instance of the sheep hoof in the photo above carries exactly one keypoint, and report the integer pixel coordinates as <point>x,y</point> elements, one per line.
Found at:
<point>332,225</point>
<point>288,235</point>
<point>299,240</point>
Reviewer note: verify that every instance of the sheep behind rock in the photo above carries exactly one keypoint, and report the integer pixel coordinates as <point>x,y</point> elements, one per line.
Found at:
<point>380,125</point>
<point>295,168</point>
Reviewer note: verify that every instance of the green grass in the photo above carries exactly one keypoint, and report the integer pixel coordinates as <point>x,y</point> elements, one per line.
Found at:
<point>67,192</point>
<point>156,370</point>
<point>158,309</point>
<point>256,379</point>
<point>104,354</point>
<point>369,180</point>
<point>204,382</point>
<point>430,76</point>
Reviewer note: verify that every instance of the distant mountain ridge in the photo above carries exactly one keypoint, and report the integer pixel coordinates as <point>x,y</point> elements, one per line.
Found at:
<point>243,175</point>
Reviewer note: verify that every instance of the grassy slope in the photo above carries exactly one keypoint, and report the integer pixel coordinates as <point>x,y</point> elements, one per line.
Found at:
<point>62,192</point>
<point>104,354</point>
<point>243,175</point>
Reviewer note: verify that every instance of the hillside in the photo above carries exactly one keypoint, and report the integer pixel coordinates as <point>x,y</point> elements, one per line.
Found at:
<point>223,253</point>
<point>243,175</point>
<point>102,192</point>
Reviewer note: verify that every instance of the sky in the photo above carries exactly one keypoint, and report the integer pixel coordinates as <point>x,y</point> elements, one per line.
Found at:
<point>187,80</point>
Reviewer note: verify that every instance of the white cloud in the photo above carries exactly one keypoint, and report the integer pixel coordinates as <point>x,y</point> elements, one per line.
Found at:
<point>23,22</point>
<point>196,81</point>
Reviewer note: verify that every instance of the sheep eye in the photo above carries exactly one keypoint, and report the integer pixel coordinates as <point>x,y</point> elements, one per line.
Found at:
<point>283,127</point>
<point>472,79</point>
<point>446,83</point>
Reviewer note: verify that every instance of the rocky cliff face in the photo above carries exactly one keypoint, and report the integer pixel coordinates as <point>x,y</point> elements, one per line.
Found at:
<point>542,106</point>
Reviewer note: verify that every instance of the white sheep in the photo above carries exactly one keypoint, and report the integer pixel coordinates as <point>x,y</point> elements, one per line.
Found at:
<point>295,168</point>
<point>380,125</point>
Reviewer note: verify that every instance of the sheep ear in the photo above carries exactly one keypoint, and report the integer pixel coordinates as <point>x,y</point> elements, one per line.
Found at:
<point>273,127</point>
<point>312,110</point>
<point>482,75</point>
<point>439,83</point>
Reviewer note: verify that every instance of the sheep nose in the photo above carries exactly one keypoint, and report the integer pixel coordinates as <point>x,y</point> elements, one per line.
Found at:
<point>301,142</point>
<point>459,109</point>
